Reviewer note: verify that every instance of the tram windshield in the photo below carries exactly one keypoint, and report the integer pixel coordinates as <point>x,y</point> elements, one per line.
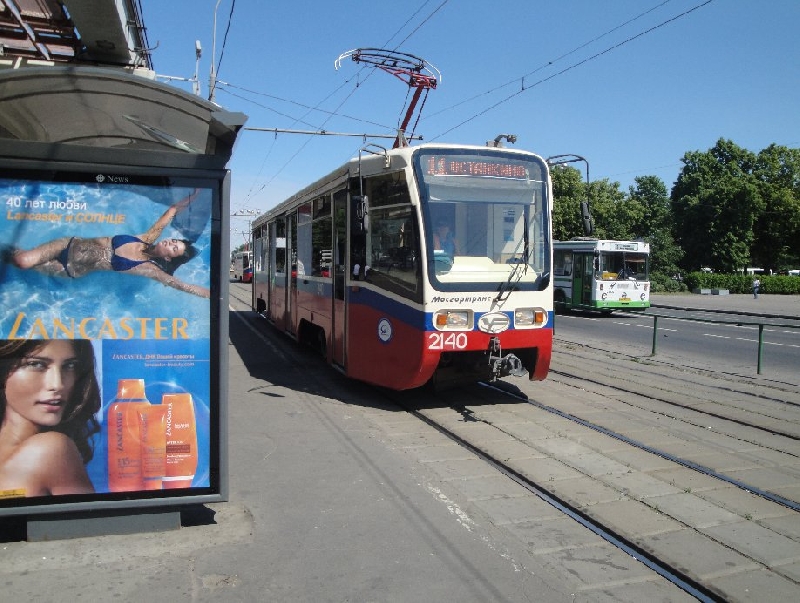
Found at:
<point>485,216</point>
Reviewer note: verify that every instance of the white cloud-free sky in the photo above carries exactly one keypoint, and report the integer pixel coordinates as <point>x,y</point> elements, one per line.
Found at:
<point>631,85</point>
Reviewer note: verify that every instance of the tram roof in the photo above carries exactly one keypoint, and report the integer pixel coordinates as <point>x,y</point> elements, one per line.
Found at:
<point>373,161</point>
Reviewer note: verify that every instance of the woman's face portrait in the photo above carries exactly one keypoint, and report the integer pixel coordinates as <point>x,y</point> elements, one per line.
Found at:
<point>170,248</point>
<point>40,388</point>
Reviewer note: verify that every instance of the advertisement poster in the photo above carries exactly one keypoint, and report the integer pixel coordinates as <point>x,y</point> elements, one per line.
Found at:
<point>105,337</point>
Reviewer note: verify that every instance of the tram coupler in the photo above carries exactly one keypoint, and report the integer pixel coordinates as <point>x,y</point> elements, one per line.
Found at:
<point>501,366</point>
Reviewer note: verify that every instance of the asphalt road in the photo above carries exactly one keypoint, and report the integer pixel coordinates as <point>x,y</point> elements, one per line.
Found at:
<point>713,332</point>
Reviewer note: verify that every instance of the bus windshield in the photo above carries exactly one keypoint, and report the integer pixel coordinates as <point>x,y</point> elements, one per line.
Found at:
<point>622,266</point>
<point>484,218</point>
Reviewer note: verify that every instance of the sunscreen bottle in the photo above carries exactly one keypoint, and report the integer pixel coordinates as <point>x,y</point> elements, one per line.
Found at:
<point>124,441</point>
<point>153,433</point>
<point>181,429</point>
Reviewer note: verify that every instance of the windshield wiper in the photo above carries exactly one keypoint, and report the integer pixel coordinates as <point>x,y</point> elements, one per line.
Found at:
<point>505,288</point>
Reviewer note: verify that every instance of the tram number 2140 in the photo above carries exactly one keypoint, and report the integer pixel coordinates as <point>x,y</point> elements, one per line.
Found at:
<point>447,341</point>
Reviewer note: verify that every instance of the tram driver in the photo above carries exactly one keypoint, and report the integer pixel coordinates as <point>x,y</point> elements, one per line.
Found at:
<point>444,240</point>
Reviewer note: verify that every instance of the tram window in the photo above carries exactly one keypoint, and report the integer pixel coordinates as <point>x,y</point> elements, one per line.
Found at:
<point>321,247</point>
<point>280,246</point>
<point>302,247</point>
<point>394,252</point>
<point>387,189</point>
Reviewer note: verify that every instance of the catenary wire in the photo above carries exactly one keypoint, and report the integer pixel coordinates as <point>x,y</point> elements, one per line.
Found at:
<point>597,55</point>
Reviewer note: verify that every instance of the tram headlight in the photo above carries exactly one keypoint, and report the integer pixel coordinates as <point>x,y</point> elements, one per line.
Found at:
<point>452,319</point>
<point>530,317</point>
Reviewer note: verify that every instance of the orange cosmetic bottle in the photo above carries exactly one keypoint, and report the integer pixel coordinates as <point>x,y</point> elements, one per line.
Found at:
<point>153,432</point>
<point>124,440</point>
<point>181,429</point>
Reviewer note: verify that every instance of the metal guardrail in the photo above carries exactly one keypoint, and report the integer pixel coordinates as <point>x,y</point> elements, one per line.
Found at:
<point>760,323</point>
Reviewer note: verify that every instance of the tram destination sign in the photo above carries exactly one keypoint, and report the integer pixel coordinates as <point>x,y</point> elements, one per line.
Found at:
<point>437,165</point>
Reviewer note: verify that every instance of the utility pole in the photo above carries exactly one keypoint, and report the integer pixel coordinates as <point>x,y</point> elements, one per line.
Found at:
<point>212,79</point>
<point>248,213</point>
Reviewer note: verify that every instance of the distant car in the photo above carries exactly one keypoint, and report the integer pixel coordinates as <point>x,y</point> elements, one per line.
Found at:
<point>247,275</point>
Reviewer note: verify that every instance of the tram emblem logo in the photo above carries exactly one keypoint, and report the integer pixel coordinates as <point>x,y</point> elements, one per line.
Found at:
<point>385,330</point>
<point>495,322</point>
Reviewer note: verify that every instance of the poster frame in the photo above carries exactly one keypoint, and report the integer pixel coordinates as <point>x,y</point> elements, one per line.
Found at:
<point>34,157</point>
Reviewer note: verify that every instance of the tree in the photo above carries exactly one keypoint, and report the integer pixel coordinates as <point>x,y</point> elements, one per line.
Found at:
<point>715,204</point>
<point>655,226</point>
<point>777,229</point>
<point>613,217</point>
<point>569,190</point>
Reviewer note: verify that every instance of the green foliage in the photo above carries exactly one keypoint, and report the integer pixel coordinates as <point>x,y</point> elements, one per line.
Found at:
<point>655,226</point>
<point>729,209</point>
<point>733,208</point>
<point>569,190</point>
<point>663,283</point>
<point>743,283</point>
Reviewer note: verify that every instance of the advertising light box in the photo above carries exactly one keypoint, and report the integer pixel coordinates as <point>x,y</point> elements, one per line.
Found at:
<point>109,337</point>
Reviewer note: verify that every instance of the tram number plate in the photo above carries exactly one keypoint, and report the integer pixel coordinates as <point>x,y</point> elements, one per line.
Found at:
<point>447,341</point>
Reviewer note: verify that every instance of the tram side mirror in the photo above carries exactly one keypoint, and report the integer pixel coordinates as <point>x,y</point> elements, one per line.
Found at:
<point>586,216</point>
<point>359,212</point>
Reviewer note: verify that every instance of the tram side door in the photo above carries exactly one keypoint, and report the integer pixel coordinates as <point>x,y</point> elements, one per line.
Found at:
<point>339,261</point>
<point>277,273</point>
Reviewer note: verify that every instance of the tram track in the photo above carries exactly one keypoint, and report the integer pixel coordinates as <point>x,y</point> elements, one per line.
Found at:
<point>642,547</point>
<point>475,418</point>
<point>670,572</point>
<point>790,504</point>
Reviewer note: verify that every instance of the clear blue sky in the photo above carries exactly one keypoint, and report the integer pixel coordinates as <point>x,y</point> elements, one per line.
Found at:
<point>629,84</point>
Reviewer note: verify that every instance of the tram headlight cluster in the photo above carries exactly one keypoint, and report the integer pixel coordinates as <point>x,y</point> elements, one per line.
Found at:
<point>529,317</point>
<point>446,320</point>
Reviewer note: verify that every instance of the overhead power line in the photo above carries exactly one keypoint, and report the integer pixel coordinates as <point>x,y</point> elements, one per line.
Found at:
<point>525,88</point>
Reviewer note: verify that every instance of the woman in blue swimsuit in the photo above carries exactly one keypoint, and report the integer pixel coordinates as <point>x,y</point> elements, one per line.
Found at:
<point>142,255</point>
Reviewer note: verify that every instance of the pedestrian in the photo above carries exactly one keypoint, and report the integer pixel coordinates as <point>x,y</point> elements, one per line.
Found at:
<point>756,286</point>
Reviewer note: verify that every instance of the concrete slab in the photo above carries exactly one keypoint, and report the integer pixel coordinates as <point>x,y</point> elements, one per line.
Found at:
<point>521,509</point>
<point>756,586</point>
<point>692,510</point>
<point>758,542</point>
<point>633,520</point>
<point>702,557</point>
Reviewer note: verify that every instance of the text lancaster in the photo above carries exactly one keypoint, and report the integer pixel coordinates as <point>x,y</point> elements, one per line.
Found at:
<point>99,328</point>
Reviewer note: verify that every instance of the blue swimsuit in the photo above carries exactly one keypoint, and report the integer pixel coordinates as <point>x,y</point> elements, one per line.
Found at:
<point>119,263</point>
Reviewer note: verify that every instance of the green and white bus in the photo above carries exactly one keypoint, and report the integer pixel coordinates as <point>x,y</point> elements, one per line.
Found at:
<point>597,274</point>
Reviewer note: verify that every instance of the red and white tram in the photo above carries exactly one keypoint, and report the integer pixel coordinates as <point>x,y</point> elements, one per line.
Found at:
<point>416,264</point>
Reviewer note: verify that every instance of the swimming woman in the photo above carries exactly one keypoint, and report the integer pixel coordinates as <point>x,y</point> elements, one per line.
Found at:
<point>74,257</point>
<point>48,400</point>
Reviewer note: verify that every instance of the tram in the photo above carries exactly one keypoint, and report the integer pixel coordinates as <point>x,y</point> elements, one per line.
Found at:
<point>605,275</point>
<point>241,266</point>
<point>415,265</point>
